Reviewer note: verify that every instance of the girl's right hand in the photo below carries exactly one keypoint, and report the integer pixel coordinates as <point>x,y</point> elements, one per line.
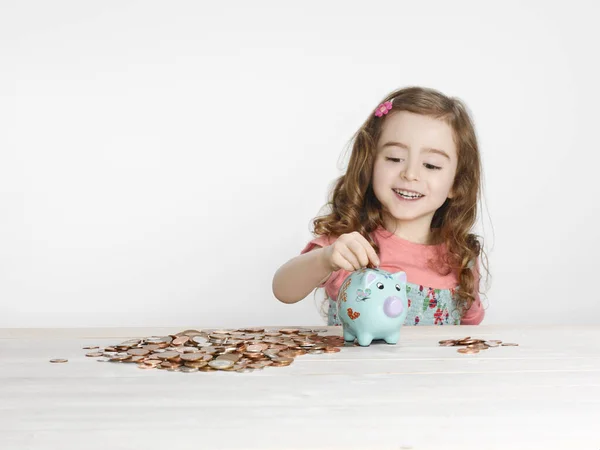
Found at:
<point>351,251</point>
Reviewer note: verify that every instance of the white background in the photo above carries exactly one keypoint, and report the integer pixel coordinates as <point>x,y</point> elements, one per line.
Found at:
<point>160,160</point>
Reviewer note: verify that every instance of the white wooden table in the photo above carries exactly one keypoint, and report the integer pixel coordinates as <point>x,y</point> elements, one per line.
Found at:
<point>543,394</point>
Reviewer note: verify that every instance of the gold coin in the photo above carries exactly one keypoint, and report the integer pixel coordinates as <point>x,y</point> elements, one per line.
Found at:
<point>196,364</point>
<point>234,357</point>
<point>181,340</point>
<point>253,330</point>
<point>138,351</point>
<point>168,364</point>
<point>282,360</point>
<point>256,366</point>
<point>159,340</point>
<point>306,344</point>
<point>145,366</point>
<point>192,356</point>
<point>151,347</point>
<point>94,354</point>
<point>90,348</point>
<point>59,360</point>
<point>288,330</point>
<point>278,347</point>
<point>168,355</point>
<point>468,350</point>
<point>190,333</point>
<point>186,349</point>
<point>152,362</point>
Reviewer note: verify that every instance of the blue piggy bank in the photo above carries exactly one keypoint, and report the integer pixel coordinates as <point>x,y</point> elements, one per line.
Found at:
<point>372,304</point>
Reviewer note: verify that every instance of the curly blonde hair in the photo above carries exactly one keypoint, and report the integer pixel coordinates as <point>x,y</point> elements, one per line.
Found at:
<point>354,206</point>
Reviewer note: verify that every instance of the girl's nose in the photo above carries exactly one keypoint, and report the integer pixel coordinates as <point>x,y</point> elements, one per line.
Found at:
<point>411,172</point>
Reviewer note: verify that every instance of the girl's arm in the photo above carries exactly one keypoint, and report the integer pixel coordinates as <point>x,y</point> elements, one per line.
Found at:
<point>300,276</point>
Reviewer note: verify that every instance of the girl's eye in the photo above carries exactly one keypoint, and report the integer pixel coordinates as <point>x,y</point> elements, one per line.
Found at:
<point>429,166</point>
<point>432,167</point>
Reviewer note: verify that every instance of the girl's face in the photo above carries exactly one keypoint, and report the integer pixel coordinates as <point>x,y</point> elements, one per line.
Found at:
<point>415,153</point>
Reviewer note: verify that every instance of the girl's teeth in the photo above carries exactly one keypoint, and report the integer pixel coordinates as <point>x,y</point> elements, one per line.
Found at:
<point>406,195</point>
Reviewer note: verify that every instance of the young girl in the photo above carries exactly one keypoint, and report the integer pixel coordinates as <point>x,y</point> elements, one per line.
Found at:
<point>407,201</point>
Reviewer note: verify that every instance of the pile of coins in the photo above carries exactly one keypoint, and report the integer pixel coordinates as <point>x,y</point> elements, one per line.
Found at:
<point>473,345</point>
<point>240,350</point>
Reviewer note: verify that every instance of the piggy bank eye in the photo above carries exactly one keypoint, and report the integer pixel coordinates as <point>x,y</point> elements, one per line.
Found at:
<point>398,287</point>
<point>379,285</point>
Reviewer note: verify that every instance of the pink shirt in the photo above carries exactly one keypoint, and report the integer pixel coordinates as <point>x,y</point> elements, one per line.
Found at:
<point>397,254</point>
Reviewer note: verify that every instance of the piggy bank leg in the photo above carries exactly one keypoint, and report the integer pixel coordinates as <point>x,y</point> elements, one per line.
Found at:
<point>365,339</point>
<point>348,335</point>
<point>392,338</point>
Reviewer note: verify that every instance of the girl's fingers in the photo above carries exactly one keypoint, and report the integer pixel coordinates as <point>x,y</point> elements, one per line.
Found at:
<point>360,252</point>
<point>370,251</point>
<point>349,258</point>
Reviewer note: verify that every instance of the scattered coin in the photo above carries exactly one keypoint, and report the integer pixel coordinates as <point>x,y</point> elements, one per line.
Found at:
<point>242,350</point>
<point>472,345</point>
<point>120,358</point>
<point>59,360</point>
<point>138,351</point>
<point>468,350</point>
<point>145,366</point>
<point>169,355</point>
<point>181,340</point>
<point>220,364</point>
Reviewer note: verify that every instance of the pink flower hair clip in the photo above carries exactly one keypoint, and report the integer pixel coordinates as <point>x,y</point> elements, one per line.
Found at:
<point>384,108</point>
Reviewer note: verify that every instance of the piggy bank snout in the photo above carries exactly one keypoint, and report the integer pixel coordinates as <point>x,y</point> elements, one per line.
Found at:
<point>392,307</point>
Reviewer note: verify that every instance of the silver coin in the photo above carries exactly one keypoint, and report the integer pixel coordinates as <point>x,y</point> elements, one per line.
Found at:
<point>221,364</point>
<point>200,340</point>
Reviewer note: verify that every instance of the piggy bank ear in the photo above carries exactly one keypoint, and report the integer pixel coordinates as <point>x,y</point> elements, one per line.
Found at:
<point>369,278</point>
<point>400,276</point>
